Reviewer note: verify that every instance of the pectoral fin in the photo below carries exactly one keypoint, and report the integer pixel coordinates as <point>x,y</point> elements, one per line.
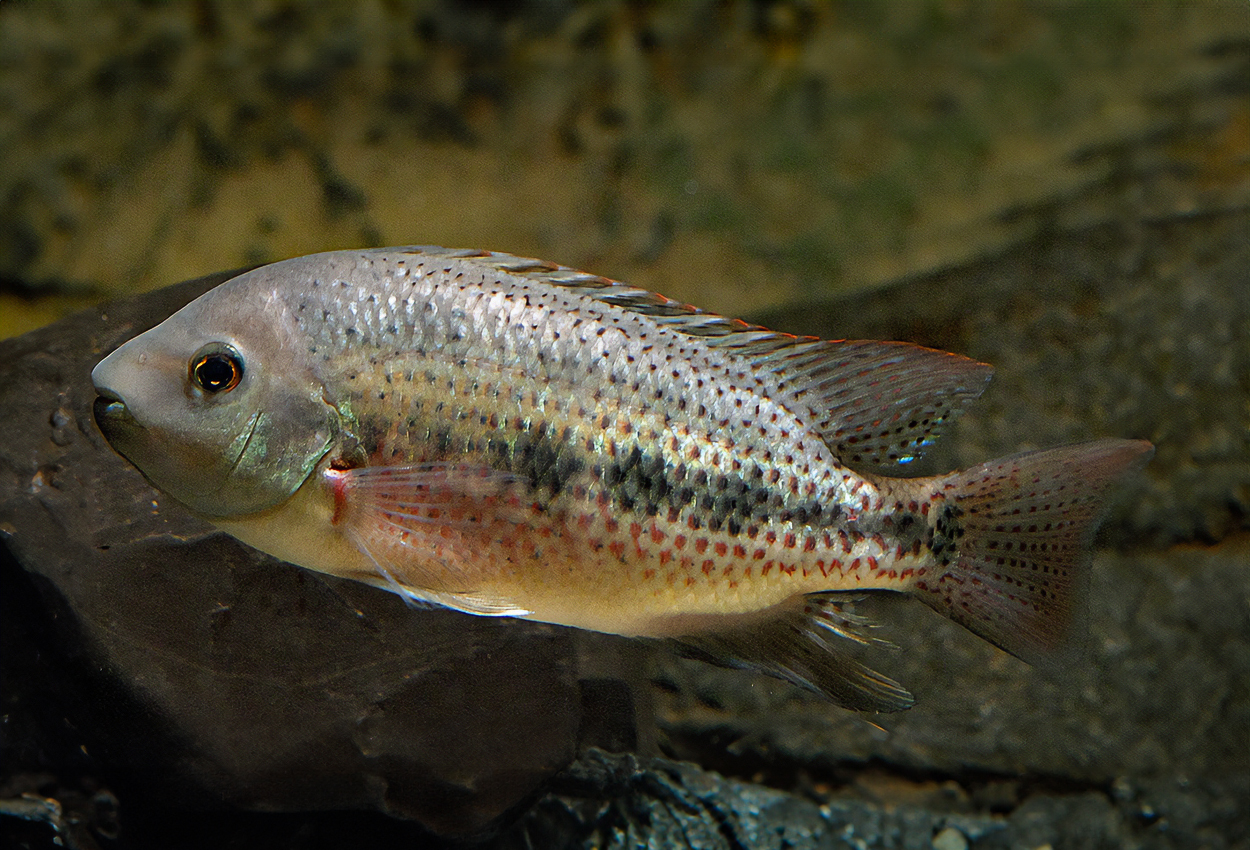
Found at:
<point>430,529</point>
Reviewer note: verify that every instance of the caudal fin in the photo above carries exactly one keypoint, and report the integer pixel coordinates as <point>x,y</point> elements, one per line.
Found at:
<point>1012,537</point>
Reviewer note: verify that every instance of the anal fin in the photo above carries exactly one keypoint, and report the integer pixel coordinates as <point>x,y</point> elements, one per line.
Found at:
<point>804,641</point>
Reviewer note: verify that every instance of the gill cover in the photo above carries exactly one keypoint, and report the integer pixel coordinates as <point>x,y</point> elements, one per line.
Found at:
<point>215,406</point>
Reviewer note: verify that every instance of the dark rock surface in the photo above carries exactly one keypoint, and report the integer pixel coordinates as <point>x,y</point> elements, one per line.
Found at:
<point>1133,328</point>
<point>1142,733</point>
<point>145,651</point>
<point>661,804</point>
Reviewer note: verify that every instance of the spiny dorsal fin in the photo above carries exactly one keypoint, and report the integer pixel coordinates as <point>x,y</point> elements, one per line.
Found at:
<point>877,405</point>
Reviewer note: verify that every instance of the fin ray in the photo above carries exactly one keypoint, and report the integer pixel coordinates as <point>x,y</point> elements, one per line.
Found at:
<point>804,641</point>
<point>420,524</point>
<point>1012,537</point>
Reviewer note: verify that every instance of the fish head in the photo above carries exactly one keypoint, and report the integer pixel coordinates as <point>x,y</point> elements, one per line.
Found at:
<point>217,406</point>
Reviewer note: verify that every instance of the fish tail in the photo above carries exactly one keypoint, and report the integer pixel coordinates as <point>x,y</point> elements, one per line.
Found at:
<point>1011,541</point>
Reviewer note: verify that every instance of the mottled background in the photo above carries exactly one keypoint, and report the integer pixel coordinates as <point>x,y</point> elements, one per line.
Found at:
<point>1059,188</point>
<point>735,154</point>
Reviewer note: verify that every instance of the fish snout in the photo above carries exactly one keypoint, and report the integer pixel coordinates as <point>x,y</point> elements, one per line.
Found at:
<point>110,408</point>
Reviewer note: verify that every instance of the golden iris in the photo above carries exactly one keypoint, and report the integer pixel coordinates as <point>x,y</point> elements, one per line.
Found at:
<point>218,370</point>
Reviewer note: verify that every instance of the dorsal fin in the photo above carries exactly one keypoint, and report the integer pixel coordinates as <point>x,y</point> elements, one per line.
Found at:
<point>877,405</point>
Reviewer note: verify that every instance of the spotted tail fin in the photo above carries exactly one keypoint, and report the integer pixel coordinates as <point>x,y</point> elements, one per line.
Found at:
<point>1011,540</point>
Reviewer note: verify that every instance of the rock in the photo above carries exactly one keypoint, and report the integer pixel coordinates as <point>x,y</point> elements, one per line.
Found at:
<point>148,651</point>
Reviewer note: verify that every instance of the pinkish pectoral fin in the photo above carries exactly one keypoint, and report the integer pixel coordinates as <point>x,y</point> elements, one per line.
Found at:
<point>805,640</point>
<point>428,528</point>
<point>1012,541</point>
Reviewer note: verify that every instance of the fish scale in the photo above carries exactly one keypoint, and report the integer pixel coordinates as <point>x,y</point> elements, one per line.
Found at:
<point>509,437</point>
<point>493,320</point>
<point>643,551</point>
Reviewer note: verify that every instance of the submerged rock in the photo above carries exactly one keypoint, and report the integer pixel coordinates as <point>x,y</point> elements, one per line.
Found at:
<point>149,652</point>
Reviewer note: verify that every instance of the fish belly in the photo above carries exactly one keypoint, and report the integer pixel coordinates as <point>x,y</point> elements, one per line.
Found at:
<point>587,508</point>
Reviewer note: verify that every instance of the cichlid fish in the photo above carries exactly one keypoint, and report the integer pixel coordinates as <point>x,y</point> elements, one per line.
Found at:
<point>509,437</point>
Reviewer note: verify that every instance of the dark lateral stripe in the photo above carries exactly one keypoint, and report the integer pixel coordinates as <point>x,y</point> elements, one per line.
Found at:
<point>639,481</point>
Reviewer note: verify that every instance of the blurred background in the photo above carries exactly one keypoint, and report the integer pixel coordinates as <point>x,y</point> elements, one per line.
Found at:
<point>738,155</point>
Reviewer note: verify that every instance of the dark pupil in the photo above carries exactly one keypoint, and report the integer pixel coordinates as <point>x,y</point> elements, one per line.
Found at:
<point>216,372</point>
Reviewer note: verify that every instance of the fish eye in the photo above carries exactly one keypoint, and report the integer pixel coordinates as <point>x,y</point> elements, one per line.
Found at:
<point>216,368</point>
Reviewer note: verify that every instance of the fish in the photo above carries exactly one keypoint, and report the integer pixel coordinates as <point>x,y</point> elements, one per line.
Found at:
<point>509,437</point>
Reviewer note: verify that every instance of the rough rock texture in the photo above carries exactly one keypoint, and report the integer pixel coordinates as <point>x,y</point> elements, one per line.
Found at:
<point>1129,329</point>
<point>181,677</point>
<point>1142,734</point>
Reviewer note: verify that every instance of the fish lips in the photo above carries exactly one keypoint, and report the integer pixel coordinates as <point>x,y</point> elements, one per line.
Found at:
<point>111,415</point>
<point>122,431</point>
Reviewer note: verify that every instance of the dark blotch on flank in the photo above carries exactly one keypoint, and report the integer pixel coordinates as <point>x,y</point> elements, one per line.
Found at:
<point>547,460</point>
<point>946,533</point>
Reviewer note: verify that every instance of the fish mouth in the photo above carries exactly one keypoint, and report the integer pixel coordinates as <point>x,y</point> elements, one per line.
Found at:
<point>111,413</point>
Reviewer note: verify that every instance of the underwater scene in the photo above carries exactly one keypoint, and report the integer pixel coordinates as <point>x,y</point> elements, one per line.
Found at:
<point>543,424</point>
